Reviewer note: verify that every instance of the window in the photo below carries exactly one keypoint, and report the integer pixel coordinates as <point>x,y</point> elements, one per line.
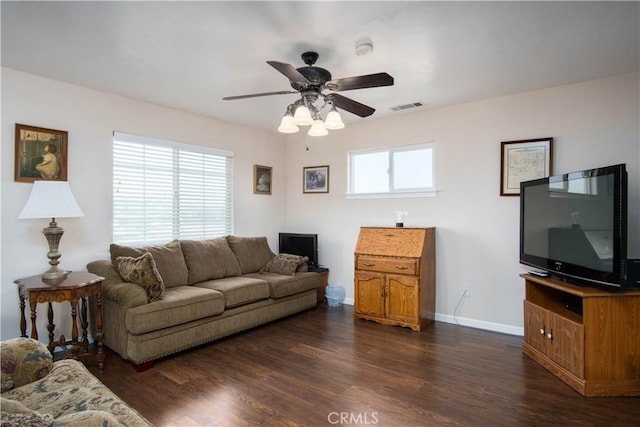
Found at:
<point>164,190</point>
<point>398,171</point>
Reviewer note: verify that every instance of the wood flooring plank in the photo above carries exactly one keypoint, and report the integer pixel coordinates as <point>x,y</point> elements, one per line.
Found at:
<point>321,367</point>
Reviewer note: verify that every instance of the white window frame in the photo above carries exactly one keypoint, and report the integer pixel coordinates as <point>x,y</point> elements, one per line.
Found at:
<point>194,182</point>
<point>393,192</point>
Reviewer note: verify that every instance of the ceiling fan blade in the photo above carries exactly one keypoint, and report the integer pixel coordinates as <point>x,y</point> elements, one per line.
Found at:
<point>352,106</point>
<point>290,72</point>
<point>255,95</point>
<point>360,82</point>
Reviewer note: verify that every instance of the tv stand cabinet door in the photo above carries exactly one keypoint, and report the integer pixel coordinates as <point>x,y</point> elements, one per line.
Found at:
<point>567,344</point>
<point>535,327</point>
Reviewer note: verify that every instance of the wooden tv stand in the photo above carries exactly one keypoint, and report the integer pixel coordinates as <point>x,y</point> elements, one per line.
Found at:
<point>587,337</point>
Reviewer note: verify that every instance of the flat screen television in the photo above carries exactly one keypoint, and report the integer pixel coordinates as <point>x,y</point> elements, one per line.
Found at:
<point>300,244</point>
<point>574,226</point>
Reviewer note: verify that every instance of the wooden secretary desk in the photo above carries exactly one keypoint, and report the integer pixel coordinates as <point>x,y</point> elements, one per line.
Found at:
<point>395,276</point>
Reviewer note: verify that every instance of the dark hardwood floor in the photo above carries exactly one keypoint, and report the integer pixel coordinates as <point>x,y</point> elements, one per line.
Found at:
<point>323,368</point>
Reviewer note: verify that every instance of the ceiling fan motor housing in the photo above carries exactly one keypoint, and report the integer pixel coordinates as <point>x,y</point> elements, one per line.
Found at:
<point>317,77</point>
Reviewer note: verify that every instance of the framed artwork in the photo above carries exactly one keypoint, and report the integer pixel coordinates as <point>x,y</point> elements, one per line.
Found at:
<point>524,160</point>
<point>40,154</point>
<point>315,179</point>
<point>262,179</point>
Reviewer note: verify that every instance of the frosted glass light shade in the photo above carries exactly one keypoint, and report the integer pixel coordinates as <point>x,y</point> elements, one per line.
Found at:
<point>302,116</point>
<point>318,129</point>
<point>287,125</point>
<point>51,199</point>
<point>333,120</point>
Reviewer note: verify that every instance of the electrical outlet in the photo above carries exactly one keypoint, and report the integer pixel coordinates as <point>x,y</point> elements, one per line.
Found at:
<point>467,291</point>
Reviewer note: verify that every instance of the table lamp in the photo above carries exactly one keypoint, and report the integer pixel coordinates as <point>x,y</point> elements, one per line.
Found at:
<point>51,199</point>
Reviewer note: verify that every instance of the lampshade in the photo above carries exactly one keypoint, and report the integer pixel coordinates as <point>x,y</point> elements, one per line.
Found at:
<point>333,120</point>
<point>51,199</point>
<point>302,116</point>
<point>317,128</point>
<point>287,125</point>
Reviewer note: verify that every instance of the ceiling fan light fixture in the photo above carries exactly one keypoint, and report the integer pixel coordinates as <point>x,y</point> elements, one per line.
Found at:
<point>287,125</point>
<point>333,120</point>
<point>302,116</point>
<point>318,129</point>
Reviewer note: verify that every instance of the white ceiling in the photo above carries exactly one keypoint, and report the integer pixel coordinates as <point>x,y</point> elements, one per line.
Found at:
<point>188,55</point>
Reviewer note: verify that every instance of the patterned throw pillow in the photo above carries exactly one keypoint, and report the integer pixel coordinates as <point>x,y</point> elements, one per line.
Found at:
<point>143,272</point>
<point>286,264</point>
<point>23,360</point>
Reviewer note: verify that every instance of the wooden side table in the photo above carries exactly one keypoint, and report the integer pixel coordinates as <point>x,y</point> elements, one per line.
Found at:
<point>324,282</point>
<point>78,286</point>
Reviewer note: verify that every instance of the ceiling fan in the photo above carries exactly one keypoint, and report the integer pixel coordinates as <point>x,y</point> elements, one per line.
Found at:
<point>310,82</point>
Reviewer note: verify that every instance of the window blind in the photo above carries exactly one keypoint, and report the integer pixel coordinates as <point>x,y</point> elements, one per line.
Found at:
<point>164,190</point>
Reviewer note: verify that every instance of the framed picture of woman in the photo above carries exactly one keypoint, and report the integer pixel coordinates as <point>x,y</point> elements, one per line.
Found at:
<point>262,177</point>
<point>40,154</point>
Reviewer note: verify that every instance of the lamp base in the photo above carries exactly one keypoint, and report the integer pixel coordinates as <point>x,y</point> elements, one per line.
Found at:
<point>54,276</point>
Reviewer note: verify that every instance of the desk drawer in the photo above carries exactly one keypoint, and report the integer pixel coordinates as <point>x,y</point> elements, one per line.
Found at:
<point>387,265</point>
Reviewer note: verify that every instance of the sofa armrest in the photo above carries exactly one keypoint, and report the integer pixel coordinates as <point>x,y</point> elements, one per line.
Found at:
<point>23,360</point>
<point>124,294</point>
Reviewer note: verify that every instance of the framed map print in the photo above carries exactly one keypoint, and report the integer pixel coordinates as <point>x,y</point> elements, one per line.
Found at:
<point>524,160</point>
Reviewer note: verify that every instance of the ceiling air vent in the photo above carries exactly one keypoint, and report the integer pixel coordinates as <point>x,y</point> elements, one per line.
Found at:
<point>408,106</point>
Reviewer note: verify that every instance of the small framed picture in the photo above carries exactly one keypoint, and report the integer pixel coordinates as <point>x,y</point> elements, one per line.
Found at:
<point>40,154</point>
<point>524,160</point>
<point>315,179</point>
<point>262,179</point>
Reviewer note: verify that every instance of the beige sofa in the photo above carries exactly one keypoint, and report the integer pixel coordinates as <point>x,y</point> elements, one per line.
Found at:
<point>38,392</point>
<point>211,289</point>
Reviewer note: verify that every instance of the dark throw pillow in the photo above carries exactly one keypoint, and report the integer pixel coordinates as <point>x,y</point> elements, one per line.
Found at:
<point>143,272</point>
<point>285,264</point>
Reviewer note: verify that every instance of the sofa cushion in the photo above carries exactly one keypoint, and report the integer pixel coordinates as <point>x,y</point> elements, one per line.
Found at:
<point>87,418</point>
<point>13,406</point>
<point>168,257</point>
<point>143,272</point>
<point>180,304</point>
<point>284,264</point>
<point>252,253</point>
<point>25,419</point>
<point>209,259</point>
<point>238,290</point>
<point>69,388</point>
<point>282,286</point>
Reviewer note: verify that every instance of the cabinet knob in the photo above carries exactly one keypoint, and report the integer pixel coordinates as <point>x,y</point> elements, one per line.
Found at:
<point>550,336</point>
<point>542,331</point>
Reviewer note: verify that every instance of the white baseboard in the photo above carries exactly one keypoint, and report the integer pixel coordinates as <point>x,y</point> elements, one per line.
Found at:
<point>481,324</point>
<point>473,323</point>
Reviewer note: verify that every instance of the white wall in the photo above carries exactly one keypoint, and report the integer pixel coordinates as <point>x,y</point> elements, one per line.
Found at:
<point>90,117</point>
<point>594,124</point>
